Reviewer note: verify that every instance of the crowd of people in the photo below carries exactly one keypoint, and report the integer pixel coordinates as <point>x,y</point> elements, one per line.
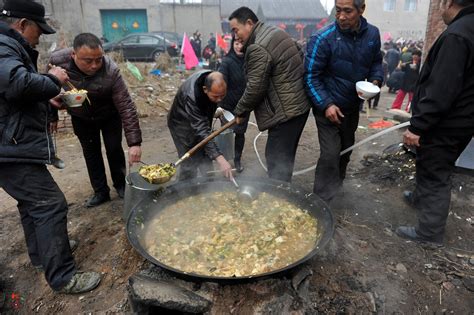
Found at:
<point>264,72</point>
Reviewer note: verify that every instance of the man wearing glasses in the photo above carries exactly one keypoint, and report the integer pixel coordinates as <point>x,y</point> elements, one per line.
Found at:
<point>108,108</point>
<point>26,146</point>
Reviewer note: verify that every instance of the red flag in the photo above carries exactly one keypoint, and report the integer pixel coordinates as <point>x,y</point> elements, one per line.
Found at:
<point>187,50</point>
<point>221,42</point>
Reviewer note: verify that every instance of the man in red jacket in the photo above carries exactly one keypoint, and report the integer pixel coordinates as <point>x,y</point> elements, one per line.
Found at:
<point>110,108</point>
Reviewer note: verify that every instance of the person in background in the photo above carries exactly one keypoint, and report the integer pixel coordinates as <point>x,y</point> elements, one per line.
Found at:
<point>190,122</point>
<point>442,124</point>
<point>110,110</point>
<point>212,42</point>
<point>332,70</point>
<point>411,72</point>
<point>214,61</point>
<point>232,68</point>
<point>407,55</point>
<point>26,146</point>
<point>196,43</point>
<point>374,102</point>
<point>274,89</point>
<point>393,59</point>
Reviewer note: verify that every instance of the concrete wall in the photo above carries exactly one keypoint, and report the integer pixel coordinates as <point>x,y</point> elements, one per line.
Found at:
<point>189,18</point>
<point>76,16</point>
<point>400,23</point>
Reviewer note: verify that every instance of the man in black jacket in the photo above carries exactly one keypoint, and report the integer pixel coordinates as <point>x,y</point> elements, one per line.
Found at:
<point>26,146</point>
<point>442,124</point>
<point>190,120</point>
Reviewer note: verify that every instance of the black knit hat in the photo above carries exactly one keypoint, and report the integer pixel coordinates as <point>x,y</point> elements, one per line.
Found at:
<point>27,9</point>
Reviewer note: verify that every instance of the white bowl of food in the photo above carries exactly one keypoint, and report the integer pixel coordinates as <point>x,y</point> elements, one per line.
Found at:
<point>366,90</point>
<point>74,98</point>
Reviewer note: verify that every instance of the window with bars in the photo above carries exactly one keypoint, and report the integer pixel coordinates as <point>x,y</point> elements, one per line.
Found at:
<point>389,5</point>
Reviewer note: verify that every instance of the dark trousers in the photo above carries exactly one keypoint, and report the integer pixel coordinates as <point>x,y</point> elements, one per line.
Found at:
<point>333,139</point>
<point>43,211</point>
<point>198,161</point>
<point>89,133</point>
<point>282,143</point>
<point>435,162</point>
<point>239,140</point>
<point>375,100</point>
<point>239,143</point>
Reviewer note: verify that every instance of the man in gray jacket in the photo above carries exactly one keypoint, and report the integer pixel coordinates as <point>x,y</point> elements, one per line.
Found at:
<point>275,89</point>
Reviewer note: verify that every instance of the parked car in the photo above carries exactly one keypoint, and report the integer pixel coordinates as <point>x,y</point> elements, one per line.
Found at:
<point>143,46</point>
<point>172,37</point>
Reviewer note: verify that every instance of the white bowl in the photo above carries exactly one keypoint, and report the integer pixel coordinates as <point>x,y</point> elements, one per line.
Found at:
<point>74,99</point>
<point>366,90</point>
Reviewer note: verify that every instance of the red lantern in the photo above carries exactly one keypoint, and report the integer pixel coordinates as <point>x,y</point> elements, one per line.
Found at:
<point>300,27</point>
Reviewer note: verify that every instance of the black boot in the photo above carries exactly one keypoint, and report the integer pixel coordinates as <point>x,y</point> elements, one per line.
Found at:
<point>238,166</point>
<point>410,233</point>
<point>97,199</point>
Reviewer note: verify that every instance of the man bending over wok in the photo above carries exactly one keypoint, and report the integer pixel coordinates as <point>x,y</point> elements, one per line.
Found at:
<point>190,122</point>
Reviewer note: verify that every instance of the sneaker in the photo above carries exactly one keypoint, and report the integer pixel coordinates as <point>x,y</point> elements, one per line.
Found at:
<point>72,244</point>
<point>82,282</point>
<point>410,233</point>
<point>97,199</point>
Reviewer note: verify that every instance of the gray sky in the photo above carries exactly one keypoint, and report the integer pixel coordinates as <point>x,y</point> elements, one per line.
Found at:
<point>328,4</point>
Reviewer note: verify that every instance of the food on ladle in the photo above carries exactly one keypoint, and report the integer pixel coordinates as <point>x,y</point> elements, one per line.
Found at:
<point>157,173</point>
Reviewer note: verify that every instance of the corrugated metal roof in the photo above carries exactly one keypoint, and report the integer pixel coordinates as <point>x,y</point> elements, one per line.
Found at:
<point>278,9</point>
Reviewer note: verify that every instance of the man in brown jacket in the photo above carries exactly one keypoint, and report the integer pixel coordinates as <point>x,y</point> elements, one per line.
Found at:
<point>275,89</point>
<point>110,108</point>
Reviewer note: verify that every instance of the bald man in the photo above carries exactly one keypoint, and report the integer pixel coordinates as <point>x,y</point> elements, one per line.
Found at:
<point>190,121</point>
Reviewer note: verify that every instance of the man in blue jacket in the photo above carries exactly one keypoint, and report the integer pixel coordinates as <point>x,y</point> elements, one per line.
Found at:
<point>337,57</point>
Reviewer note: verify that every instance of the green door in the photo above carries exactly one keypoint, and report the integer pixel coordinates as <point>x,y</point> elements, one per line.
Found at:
<point>118,23</point>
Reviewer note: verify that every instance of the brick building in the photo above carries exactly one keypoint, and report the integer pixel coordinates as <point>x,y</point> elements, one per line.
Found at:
<point>435,24</point>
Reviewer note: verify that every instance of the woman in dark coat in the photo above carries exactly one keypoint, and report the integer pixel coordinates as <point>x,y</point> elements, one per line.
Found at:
<point>232,68</point>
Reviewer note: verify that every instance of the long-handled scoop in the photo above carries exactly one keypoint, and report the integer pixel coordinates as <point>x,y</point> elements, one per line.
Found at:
<point>201,144</point>
<point>245,193</point>
<point>196,148</point>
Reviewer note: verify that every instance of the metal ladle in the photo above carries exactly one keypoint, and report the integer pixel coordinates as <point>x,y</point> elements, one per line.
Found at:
<point>196,148</point>
<point>246,193</point>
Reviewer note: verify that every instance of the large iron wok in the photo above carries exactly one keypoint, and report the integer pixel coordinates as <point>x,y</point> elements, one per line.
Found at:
<point>148,208</point>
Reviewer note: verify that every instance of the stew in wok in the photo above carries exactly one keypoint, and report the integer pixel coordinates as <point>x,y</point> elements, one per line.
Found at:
<point>229,238</point>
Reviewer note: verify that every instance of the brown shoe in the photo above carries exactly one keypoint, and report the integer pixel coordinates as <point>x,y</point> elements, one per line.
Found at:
<point>82,282</point>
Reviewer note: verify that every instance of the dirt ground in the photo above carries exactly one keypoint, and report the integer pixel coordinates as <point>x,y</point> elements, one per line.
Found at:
<point>365,268</point>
